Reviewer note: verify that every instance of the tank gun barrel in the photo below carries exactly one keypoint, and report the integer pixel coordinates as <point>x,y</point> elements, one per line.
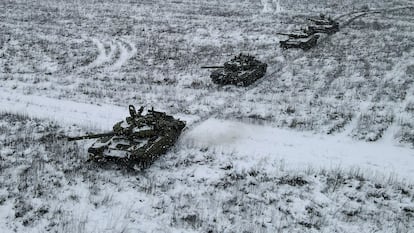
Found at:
<point>282,34</point>
<point>91,136</point>
<point>212,67</point>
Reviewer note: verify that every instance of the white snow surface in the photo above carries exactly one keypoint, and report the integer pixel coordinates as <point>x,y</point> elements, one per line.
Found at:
<point>304,149</point>
<point>296,149</point>
<point>62,111</point>
<point>80,63</point>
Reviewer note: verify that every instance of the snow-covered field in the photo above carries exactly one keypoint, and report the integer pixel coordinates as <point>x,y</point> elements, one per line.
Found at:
<point>322,143</point>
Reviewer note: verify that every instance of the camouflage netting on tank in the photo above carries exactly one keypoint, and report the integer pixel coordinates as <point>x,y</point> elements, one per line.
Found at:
<point>242,70</point>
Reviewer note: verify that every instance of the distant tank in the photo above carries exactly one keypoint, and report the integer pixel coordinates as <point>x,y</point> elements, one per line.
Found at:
<point>323,24</point>
<point>137,141</point>
<point>242,70</point>
<point>302,43</point>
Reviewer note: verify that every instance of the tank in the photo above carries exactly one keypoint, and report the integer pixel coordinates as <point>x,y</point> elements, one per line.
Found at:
<point>137,141</point>
<point>242,70</point>
<point>323,24</point>
<point>302,43</point>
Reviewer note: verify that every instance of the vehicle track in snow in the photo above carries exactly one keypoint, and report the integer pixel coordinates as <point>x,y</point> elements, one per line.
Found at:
<point>104,56</point>
<point>358,14</point>
<point>126,51</point>
<point>112,54</point>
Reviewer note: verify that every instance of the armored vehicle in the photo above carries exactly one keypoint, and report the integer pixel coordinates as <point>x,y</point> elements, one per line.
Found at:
<point>242,70</point>
<point>302,43</point>
<point>136,141</point>
<point>323,24</point>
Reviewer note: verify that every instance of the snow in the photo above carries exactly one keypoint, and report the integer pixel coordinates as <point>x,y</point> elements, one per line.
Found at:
<point>102,57</point>
<point>297,149</point>
<point>304,149</point>
<point>64,111</point>
<point>124,56</point>
<point>234,175</point>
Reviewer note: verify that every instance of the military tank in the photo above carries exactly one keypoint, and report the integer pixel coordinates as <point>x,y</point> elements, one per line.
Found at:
<point>242,70</point>
<point>302,43</point>
<point>137,141</point>
<point>323,24</point>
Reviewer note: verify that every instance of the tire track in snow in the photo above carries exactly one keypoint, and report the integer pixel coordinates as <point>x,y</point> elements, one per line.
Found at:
<point>363,13</point>
<point>102,57</point>
<point>120,51</point>
<point>127,50</point>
